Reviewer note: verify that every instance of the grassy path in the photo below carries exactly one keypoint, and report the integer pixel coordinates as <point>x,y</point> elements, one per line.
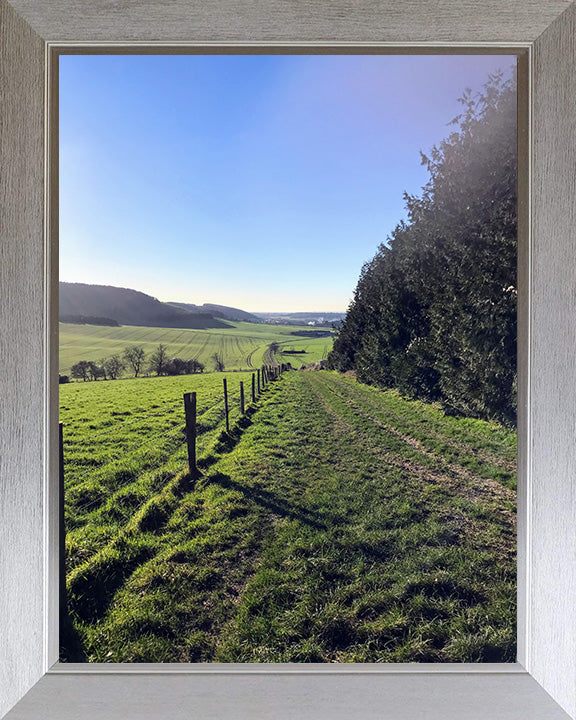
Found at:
<point>338,524</point>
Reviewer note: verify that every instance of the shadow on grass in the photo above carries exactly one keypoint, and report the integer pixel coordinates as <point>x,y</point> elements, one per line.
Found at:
<point>269,500</point>
<point>284,508</point>
<point>187,482</point>
<point>227,441</point>
<point>90,592</point>
<point>71,649</point>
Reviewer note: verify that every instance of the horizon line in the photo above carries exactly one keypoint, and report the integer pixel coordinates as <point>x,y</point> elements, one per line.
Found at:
<point>253,312</point>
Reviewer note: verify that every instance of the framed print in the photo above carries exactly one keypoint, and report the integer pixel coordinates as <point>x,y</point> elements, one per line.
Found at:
<point>542,684</point>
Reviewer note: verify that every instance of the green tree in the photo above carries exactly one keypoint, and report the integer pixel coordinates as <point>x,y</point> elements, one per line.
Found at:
<point>434,312</point>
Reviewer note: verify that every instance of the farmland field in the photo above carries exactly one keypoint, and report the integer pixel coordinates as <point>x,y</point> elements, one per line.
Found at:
<point>335,523</point>
<point>242,347</point>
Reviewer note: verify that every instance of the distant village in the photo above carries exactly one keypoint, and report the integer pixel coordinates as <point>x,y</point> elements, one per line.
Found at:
<point>330,320</point>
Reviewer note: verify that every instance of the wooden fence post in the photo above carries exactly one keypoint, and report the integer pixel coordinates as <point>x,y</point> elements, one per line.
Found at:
<point>190,415</point>
<point>258,373</point>
<point>253,387</point>
<point>241,398</point>
<point>226,405</point>
<point>62,600</point>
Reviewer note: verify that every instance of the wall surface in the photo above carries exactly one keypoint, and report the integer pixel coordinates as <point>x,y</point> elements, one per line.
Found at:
<point>21,355</point>
<point>553,373</point>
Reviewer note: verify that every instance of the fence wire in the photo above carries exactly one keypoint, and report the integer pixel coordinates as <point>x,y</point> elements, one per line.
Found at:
<point>95,470</point>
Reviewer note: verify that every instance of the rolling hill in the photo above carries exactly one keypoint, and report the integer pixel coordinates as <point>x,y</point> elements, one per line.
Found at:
<point>221,311</point>
<point>241,346</point>
<point>130,307</point>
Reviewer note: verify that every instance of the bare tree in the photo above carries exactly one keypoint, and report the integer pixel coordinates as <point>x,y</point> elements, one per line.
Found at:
<point>96,371</point>
<point>218,361</point>
<point>81,370</point>
<point>113,367</point>
<point>159,360</point>
<point>195,366</point>
<point>177,366</point>
<point>134,356</point>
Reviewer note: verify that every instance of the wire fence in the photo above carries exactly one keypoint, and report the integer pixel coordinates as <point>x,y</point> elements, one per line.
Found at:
<point>79,469</point>
<point>124,454</point>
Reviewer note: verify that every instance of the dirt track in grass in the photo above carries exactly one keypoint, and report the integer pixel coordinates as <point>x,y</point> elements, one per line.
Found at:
<point>337,523</point>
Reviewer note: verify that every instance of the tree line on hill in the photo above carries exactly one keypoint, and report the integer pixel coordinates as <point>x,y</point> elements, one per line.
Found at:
<point>434,312</point>
<point>89,320</point>
<point>135,360</point>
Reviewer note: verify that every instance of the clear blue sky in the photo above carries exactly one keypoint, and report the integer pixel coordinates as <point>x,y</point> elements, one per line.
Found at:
<point>261,182</point>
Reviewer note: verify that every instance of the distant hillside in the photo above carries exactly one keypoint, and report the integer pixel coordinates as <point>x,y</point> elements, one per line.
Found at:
<point>222,311</point>
<point>129,307</point>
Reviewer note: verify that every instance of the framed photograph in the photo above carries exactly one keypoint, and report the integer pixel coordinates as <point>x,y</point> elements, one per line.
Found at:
<point>315,683</point>
<point>215,508</point>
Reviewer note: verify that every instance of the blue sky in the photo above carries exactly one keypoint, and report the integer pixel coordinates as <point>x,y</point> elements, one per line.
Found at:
<point>263,182</point>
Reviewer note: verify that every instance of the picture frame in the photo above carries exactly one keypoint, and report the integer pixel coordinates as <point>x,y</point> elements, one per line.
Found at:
<point>543,683</point>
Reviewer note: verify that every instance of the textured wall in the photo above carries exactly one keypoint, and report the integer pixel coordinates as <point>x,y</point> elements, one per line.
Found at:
<point>21,354</point>
<point>553,372</point>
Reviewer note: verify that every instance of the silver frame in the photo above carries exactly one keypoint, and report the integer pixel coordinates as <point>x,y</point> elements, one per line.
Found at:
<point>545,679</point>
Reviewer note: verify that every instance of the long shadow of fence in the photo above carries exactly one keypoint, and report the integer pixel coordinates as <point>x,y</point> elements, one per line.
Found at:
<point>271,501</point>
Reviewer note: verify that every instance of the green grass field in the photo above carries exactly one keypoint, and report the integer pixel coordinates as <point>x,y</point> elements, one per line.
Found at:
<point>336,523</point>
<point>243,346</point>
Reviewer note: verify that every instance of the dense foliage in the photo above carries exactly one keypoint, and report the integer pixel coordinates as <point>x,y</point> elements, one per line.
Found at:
<point>434,312</point>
